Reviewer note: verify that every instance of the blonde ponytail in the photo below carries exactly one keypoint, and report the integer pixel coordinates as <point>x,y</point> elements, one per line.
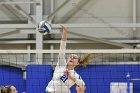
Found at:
<point>84,61</point>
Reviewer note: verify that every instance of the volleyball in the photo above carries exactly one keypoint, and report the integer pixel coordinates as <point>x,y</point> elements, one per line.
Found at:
<point>44,27</point>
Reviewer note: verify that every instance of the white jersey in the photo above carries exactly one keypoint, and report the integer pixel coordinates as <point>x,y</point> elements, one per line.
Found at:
<point>60,83</point>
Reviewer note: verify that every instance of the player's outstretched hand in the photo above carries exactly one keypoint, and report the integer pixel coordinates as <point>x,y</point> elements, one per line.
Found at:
<point>64,32</point>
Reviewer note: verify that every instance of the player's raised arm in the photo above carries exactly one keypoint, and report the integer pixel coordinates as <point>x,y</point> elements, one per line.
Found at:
<point>61,56</point>
<point>64,38</point>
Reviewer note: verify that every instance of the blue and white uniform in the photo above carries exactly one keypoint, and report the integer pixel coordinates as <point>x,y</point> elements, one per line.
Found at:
<point>60,83</point>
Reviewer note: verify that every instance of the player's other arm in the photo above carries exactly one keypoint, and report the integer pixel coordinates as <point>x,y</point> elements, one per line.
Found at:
<point>77,79</point>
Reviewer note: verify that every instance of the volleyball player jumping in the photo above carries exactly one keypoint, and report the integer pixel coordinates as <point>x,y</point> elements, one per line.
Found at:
<point>64,75</point>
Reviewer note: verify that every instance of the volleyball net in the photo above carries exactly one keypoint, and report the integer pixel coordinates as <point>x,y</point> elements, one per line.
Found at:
<point>31,70</point>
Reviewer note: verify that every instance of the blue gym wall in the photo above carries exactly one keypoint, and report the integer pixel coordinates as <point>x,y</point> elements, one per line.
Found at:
<point>97,77</point>
<point>12,76</point>
<point>38,77</point>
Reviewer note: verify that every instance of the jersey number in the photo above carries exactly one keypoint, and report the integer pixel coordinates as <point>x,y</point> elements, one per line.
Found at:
<point>64,78</point>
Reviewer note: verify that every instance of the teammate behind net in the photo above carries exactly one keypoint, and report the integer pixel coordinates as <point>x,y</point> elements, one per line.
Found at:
<point>64,75</point>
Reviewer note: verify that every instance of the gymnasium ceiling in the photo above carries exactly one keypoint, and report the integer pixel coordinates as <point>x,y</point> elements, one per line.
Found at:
<point>114,23</point>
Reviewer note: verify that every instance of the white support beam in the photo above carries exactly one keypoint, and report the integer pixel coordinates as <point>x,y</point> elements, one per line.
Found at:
<point>27,31</point>
<point>134,13</point>
<point>13,26</point>
<point>58,41</point>
<point>45,41</point>
<point>52,10</point>
<point>52,6</point>
<point>39,37</point>
<point>19,2</point>
<point>93,25</point>
<point>33,31</point>
<point>101,40</point>
<point>98,25</point>
<point>127,41</point>
<point>103,51</point>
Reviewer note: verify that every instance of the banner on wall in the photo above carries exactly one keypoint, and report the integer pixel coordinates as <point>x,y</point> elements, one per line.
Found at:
<point>120,87</point>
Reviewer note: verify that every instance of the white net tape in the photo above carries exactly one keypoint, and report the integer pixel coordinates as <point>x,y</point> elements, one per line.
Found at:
<point>75,51</point>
